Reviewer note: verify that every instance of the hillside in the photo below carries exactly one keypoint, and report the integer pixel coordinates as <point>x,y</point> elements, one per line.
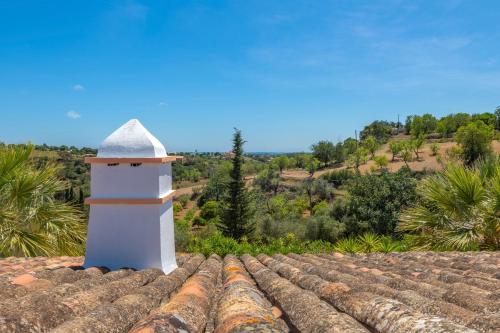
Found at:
<point>426,162</point>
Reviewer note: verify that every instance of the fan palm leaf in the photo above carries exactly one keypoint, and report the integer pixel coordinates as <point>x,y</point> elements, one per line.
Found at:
<point>32,221</point>
<point>459,210</point>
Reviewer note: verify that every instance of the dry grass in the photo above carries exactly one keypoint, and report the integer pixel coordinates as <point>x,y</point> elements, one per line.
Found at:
<point>426,161</point>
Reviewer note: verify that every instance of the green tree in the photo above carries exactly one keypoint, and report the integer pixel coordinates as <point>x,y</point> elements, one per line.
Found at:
<point>475,141</point>
<point>406,152</point>
<point>268,180</point>
<point>32,221</point>
<point>416,144</point>
<point>371,144</point>
<point>375,201</point>
<point>237,221</point>
<point>217,187</point>
<point>312,166</point>
<point>359,157</point>
<point>324,151</point>
<point>486,117</point>
<point>339,155</point>
<point>395,148</point>
<point>210,210</point>
<point>434,149</point>
<point>381,161</point>
<point>350,146</point>
<point>459,209</point>
<point>380,129</point>
<point>282,162</point>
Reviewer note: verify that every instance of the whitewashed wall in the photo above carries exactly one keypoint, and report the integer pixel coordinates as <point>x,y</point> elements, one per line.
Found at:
<point>129,236</point>
<point>125,181</point>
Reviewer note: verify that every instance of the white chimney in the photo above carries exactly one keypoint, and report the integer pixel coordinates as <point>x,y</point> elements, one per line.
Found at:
<point>131,220</point>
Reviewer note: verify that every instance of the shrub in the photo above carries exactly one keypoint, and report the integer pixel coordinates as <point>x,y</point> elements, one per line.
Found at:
<point>177,207</point>
<point>270,228</point>
<point>434,149</point>
<point>210,210</point>
<point>221,245</point>
<point>475,140</point>
<point>182,236</point>
<point>321,206</point>
<point>190,214</point>
<point>381,161</point>
<point>199,221</point>
<point>183,200</point>
<point>32,221</point>
<point>338,178</point>
<point>458,211</point>
<point>347,245</point>
<point>323,227</point>
<point>369,242</point>
<point>375,201</point>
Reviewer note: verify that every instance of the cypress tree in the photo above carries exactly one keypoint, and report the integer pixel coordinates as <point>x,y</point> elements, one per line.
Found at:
<point>236,221</point>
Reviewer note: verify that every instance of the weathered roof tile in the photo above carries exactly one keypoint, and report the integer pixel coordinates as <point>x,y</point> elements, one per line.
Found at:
<point>330,292</point>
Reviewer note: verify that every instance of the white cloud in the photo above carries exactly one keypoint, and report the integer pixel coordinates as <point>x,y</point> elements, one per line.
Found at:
<point>73,114</point>
<point>78,87</point>
<point>162,104</point>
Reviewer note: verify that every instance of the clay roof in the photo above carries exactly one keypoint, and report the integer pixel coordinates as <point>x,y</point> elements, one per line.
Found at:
<point>400,292</point>
<point>132,139</point>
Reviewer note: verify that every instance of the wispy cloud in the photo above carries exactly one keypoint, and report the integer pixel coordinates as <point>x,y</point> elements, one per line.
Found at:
<point>73,114</point>
<point>78,87</point>
<point>162,104</point>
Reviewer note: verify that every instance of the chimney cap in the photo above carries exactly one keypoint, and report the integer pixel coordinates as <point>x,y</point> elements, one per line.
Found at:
<point>132,139</point>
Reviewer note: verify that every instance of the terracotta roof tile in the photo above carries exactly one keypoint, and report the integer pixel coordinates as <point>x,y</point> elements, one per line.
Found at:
<point>331,292</point>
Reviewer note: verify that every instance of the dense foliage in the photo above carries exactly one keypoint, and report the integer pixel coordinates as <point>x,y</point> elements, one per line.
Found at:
<point>32,221</point>
<point>475,141</point>
<point>459,209</point>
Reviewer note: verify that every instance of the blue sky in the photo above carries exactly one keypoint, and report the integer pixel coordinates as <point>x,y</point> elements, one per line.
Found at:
<point>287,73</point>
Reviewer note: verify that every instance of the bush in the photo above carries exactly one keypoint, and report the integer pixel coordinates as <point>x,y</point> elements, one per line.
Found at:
<point>475,141</point>
<point>189,215</point>
<point>221,245</point>
<point>347,245</point>
<point>434,149</point>
<point>458,209</point>
<point>210,210</point>
<point>270,228</point>
<point>381,161</point>
<point>375,201</point>
<point>177,207</point>
<point>323,227</point>
<point>199,221</point>
<point>183,200</point>
<point>182,236</point>
<point>338,178</point>
<point>370,242</point>
<point>320,207</point>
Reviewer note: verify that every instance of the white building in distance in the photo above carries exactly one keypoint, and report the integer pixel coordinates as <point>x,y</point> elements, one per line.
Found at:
<point>131,220</point>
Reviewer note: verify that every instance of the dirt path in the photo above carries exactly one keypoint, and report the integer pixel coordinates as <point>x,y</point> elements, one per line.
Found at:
<point>183,212</point>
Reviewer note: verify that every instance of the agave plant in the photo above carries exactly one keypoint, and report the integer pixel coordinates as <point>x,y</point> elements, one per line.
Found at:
<point>32,222</point>
<point>459,210</point>
<point>369,242</point>
<point>387,245</point>
<point>347,245</point>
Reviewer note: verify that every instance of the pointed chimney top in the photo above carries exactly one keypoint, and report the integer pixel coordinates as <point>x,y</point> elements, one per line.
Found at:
<point>131,140</point>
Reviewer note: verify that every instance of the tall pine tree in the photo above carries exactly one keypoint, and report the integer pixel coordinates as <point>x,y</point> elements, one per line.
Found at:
<point>236,221</point>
